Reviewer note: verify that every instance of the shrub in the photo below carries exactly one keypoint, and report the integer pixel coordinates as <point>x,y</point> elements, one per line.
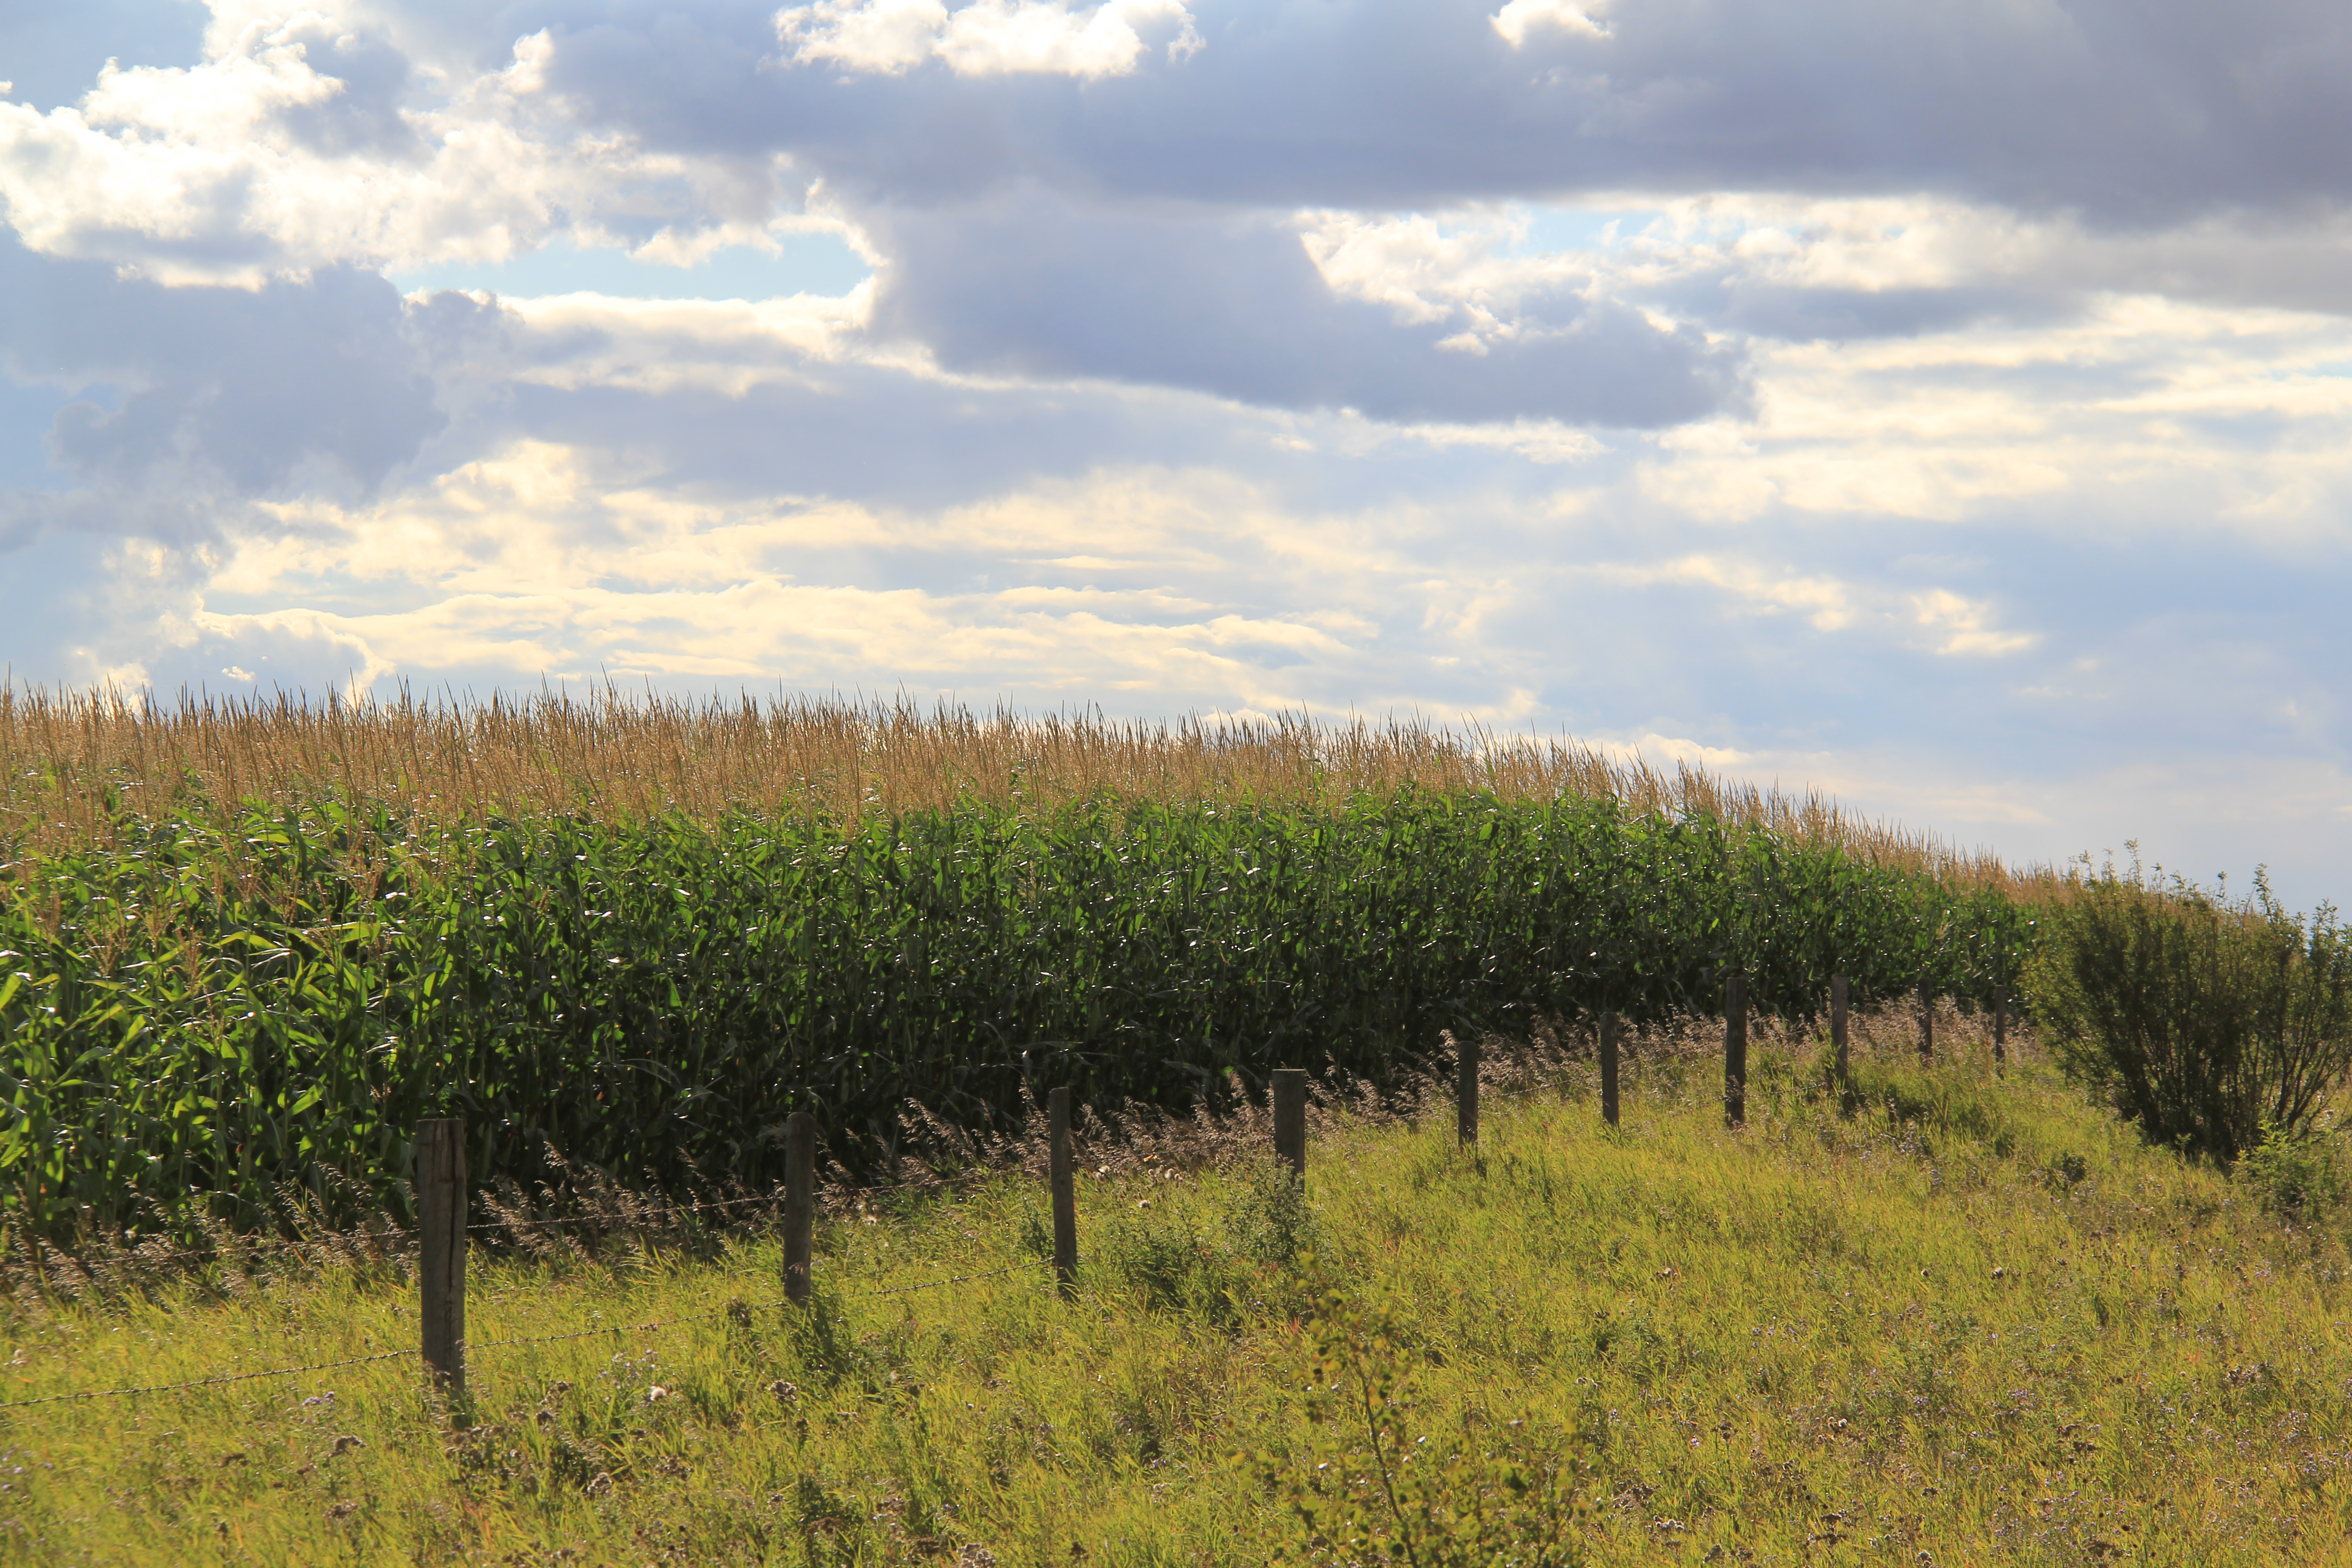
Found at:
<point>2208,1023</point>
<point>2295,1174</point>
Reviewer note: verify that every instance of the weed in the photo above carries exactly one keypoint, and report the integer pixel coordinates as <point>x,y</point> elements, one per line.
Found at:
<point>2295,1171</point>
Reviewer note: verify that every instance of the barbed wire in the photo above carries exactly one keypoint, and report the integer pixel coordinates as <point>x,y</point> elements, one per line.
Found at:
<point>203,1381</point>
<point>735,1308</point>
<point>650,1214</point>
<point>833,1194</point>
<point>359,1243</point>
<point>394,1239</point>
<point>648,1327</point>
<point>353,1244</point>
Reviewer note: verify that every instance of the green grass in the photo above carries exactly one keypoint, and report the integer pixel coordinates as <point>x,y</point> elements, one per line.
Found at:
<point>1975,1320</point>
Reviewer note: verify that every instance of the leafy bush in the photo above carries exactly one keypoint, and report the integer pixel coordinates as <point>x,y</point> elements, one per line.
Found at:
<point>2207,1023</point>
<point>2295,1174</point>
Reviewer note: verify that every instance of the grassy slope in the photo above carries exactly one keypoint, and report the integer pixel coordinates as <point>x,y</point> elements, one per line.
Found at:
<point>1823,1339</point>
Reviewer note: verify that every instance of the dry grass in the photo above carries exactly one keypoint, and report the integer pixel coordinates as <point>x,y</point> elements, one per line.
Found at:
<point>71,761</point>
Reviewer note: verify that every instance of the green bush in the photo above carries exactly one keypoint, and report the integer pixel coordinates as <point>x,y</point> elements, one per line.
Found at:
<point>2207,1023</point>
<point>2295,1174</point>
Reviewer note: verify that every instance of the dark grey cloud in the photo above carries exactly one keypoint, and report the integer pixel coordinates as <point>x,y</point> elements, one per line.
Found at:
<point>2131,111</point>
<point>1739,303</point>
<point>1134,227</point>
<point>1232,304</point>
<point>1131,227</point>
<point>185,517</point>
<point>319,380</point>
<point>853,431</point>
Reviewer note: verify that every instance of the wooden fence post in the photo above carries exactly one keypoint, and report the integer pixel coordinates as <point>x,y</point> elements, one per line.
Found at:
<point>1609,1068</point>
<point>1465,1092</point>
<point>1840,990</point>
<point>2001,1030</point>
<point>441,1236</point>
<point>1290,1119</point>
<point>1734,1050</point>
<point>800,1203</point>
<point>1061,1169</point>
<point>1927,1025</point>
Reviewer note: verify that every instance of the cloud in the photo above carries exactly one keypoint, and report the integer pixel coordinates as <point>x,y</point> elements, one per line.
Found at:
<point>293,650</point>
<point>297,144</point>
<point>986,38</point>
<point>318,383</point>
<point>1680,749</point>
<point>1518,18</point>
<point>1961,626</point>
<point>1031,285</point>
<point>1825,603</point>
<point>2130,115</point>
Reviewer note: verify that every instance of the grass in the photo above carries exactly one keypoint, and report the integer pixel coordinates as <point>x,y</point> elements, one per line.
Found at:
<point>1972,1320</point>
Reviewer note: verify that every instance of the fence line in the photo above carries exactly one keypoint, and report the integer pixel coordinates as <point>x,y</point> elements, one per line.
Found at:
<point>395,1240</point>
<point>357,1244</point>
<point>444,1235</point>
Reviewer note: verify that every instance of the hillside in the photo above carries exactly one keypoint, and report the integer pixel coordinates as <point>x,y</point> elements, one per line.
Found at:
<point>1973,1320</point>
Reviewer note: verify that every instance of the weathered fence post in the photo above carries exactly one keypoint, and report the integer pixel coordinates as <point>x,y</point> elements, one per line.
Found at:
<point>1734,1050</point>
<point>1609,1068</point>
<point>2001,1030</point>
<point>800,1203</point>
<point>1839,990</point>
<point>1061,1168</point>
<point>441,1235</point>
<point>1465,1092</point>
<point>1927,1023</point>
<point>1290,1117</point>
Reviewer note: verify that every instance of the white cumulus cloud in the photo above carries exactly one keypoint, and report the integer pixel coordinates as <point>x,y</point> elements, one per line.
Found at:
<point>1520,17</point>
<point>299,143</point>
<point>987,37</point>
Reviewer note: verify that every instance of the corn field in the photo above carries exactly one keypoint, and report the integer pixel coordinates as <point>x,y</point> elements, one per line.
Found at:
<point>244,949</point>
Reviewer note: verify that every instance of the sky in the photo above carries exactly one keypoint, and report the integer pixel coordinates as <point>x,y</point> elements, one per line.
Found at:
<point>1940,404</point>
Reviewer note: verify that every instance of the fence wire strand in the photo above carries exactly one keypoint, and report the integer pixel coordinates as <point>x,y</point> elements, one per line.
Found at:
<point>214,1382</point>
<point>392,1241</point>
